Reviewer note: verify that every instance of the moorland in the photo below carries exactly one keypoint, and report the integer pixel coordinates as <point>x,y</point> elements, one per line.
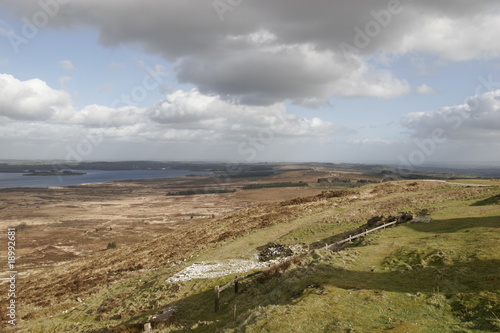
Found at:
<point>97,257</point>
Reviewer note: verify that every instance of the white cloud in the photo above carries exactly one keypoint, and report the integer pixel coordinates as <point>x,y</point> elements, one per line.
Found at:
<point>194,110</point>
<point>106,117</point>
<point>31,99</point>
<point>67,65</point>
<point>424,89</point>
<point>34,112</point>
<point>453,38</point>
<point>477,119</point>
<point>35,132</point>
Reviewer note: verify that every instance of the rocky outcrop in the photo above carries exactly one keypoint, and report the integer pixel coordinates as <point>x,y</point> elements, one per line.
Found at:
<point>273,251</point>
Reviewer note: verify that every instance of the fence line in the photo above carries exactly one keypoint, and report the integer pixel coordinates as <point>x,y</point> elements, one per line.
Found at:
<point>350,238</point>
<point>218,289</point>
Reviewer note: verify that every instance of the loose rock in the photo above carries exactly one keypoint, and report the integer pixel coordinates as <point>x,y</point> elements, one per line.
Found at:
<point>273,251</point>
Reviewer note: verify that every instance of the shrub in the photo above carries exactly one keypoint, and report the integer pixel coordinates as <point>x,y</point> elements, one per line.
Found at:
<point>111,245</point>
<point>22,226</point>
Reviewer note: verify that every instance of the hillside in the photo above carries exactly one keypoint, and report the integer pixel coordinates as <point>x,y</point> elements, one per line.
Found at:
<point>442,276</point>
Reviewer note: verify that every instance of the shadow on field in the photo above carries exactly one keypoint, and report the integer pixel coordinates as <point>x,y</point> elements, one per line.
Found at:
<point>454,225</point>
<point>494,200</point>
<point>437,227</point>
<point>467,276</point>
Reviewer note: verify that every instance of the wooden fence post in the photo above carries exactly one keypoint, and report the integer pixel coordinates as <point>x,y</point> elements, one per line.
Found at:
<point>236,285</point>
<point>217,298</point>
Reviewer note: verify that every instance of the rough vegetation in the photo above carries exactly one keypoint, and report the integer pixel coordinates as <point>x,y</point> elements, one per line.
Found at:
<point>270,185</point>
<point>421,277</point>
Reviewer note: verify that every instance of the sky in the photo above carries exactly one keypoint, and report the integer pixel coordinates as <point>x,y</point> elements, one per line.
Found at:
<point>402,82</point>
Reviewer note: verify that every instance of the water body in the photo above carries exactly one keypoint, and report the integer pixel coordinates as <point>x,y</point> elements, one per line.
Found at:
<point>91,176</point>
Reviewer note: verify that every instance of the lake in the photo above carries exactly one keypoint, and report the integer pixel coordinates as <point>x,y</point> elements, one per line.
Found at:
<point>91,176</point>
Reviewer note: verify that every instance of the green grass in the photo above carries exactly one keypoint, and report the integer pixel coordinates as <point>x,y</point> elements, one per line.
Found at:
<point>440,277</point>
<point>301,230</point>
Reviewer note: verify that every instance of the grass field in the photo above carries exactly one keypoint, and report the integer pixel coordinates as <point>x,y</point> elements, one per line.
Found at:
<point>442,276</point>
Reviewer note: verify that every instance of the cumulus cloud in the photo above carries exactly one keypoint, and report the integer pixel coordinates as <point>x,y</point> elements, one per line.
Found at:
<point>31,99</point>
<point>31,109</point>
<point>266,52</point>
<point>260,55</point>
<point>106,117</point>
<point>197,111</point>
<point>477,119</point>
<point>298,72</point>
<point>453,38</point>
<point>34,133</point>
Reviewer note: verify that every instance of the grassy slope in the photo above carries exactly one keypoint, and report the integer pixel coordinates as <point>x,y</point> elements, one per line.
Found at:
<point>441,277</point>
<point>418,278</point>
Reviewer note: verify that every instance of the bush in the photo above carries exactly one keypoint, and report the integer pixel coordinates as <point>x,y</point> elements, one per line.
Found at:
<point>111,245</point>
<point>21,226</point>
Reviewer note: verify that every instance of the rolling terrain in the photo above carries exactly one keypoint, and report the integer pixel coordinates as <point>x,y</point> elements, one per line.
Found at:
<point>441,276</point>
